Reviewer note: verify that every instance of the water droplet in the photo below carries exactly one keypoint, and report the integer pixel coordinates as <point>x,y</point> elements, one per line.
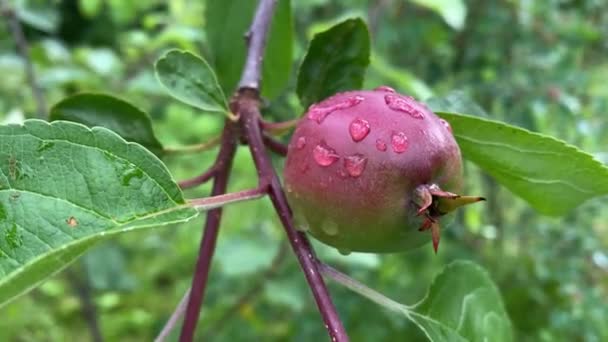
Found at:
<point>300,221</point>
<point>446,125</point>
<point>344,251</point>
<point>358,129</point>
<point>330,228</point>
<point>399,142</point>
<point>304,167</point>
<point>45,145</point>
<point>355,164</point>
<point>320,111</point>
<point>380,145</point>
<point>12,237</point>
<point>385,89</point>
<point>129,174</point>
<point>300,143</point>
<point>324,155</point>
<point>403,104</point>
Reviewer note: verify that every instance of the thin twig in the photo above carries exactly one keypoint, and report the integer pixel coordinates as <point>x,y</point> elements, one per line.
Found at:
<point>82,288</point>
<point>363,290</point>
<point>198,180</point>
<point>207,145</point>
<point>275,145</point>
<point>24,51</point>
<point>211,229</point>
<point>250,294</point>
<point>175,317</point>
<point>278,128</point>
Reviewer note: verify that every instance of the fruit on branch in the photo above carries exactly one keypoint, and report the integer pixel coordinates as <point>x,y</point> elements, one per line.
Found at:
<point>368,170</point>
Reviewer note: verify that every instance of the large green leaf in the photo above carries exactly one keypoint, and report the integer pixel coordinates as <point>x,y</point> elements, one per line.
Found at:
<point>64,187</point>
<point>552,176</point>
<point>336,61</point>
<point>110,112</point>
<point>462,304</point>
<point>190,79</point>
<point>228,22</point>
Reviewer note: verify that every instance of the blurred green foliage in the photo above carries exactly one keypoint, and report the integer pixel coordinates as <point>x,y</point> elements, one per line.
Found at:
<point>537,64</point>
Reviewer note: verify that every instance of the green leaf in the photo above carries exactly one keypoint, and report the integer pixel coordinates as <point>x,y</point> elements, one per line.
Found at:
<point>110,112</point>
<point>64,187</point>
<point>228,22</point>
<point>552,176</point>
<point>40,14</point>
<point>190,79</point>
<point>462,304</point>
<point>336,61</point>
<point>454,12</point>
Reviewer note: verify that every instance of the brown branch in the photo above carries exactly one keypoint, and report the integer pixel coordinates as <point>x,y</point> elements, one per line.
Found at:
<point>278,128</point>
<point>256,41</point>
<point>207,248</point>
<point>23,49</point>
<point>247,105</point>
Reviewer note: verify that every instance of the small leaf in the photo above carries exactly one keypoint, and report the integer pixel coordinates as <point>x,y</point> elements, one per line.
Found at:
<point>336,61</point>
<point>552,176</point>
<point>110,112</point>
<point>64,187</point>
<point>454,12</point>
<point>462,304</point>
<point>228,22</point>
<point>190,79</point>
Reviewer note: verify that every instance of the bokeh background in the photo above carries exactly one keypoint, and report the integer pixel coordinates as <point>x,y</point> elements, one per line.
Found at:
<point>538,64</point>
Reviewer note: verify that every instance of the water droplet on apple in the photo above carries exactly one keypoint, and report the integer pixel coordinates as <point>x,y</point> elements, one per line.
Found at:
<point>380,145</point>
<point>403,104</point>
<point>300,143</point>
<point>385,89</point>
<point>318,112</point>
<point>399,142</point>
<point>330,228</point>
<point>359,129</point>
<point>446,125</point>
<point>355,164</point>
<point>324,155</point>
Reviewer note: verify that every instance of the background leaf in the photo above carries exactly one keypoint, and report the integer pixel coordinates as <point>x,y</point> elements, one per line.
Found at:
<point>454,12</point>
<point>552,176</point>
<point>110,112</point>
<point>64,187</point>
<point>227,24</point>
<point>190,79</point>
<point>336,61</point>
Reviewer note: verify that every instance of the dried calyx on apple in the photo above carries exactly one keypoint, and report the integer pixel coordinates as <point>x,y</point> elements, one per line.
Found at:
<point>366,171</point>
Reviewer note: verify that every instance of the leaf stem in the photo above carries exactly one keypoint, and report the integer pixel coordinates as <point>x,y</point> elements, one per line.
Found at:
<point>207,145</point>
<point>175,317</point>
<point>207,203</point>
<point>279,128</point>
<point>362,289</point>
